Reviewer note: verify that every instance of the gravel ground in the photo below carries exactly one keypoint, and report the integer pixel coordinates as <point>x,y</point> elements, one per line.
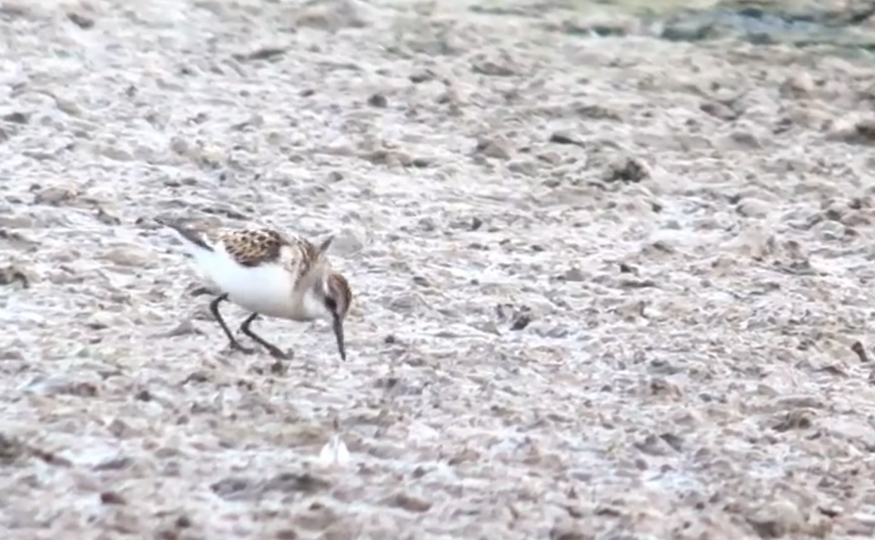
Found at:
<point>606,288</point>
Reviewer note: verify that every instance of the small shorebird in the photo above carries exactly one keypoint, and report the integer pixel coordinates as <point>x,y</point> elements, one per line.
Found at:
<point>268,273</point>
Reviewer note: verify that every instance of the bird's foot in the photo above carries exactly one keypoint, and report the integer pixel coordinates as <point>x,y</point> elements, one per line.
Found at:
<point>278,353</point>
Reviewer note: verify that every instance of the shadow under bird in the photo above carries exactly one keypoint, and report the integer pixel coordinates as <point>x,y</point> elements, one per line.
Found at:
<point>268,273</point>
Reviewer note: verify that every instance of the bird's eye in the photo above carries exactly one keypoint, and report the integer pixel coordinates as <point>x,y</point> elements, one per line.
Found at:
<point>331,304</point>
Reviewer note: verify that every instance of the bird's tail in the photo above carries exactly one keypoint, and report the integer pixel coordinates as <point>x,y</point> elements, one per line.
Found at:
<point>189,234</point>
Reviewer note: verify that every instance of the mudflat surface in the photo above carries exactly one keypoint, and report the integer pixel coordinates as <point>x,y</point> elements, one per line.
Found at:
<point>606,287</point>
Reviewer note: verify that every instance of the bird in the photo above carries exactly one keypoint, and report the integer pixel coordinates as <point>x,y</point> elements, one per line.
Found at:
<point>270,273</point>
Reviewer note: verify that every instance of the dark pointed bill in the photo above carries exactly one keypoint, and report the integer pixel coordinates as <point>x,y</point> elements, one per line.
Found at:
<point>338,333</point>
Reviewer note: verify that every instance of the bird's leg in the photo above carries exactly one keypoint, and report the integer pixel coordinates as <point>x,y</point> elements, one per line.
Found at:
<point>272,349</point>
<point>214,309</point>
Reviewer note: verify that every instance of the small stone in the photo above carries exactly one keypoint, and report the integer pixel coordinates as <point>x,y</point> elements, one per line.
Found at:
<point>776,520</point>
<point>56,195</point>
<point>574,275</point>
<point>100,320</point>
<point>16,118</point>
<point>379,101</point>
<point>793,420</point>
<point>521,321</point>
<point>421,76</point>
<point>801,401</point>
<point>744,139</point>
<point>799,85</point>
<point>111,497</point>
<point>317,517</point>
<point>296,482</point>
<point>675,441</point>
<point>116,153</point>
<point>629,170</point>
<point>754,208</point>
<point>653,445</point>
<point>68,106</point>
<point>525,167</point>
<point>492,68</point>
<point>422,162</point>
<point>229,487</point>
<point>494,147</point>
<point>561,137</point>
<point>80,20</point>
<point>15,274</point>
<point>409,503</point>
<point>107,217</point>
<point>865,130</point>
<point>61,385</point>
<point>553,331</point>
<point>571,530</point>
<point>334,15</point>
<point>12,449</point>
<point>114,464</point>
<point>255,120</point>
<point>718,110</point>
<point>383,156</point>
<point>261,53</point>
<point>627,269</point>
<point>179,146</point>
<point>17,222</point>
<point>427,224</point>
<point>550,158</point>
<point>819,526</point>
<point>129,257</point>
<point>184,328</point>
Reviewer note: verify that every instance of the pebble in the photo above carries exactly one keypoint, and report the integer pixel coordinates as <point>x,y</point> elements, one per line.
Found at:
<point>494,146</point>
<point>719,110</point>
<point>754,208</point>
<point>86,385</point>
<point>777,519</point>
<point>334,15</point>
<point>572,530</point>
<point>574,274</point>
<point>346,243</point>
<point>797,86</point>
<point>101,320</point>
<point>56,195</point>
<point>130,257</point>
<point>409,502</point>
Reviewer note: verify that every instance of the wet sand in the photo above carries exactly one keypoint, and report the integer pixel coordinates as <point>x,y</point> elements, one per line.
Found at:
<point>605,287</point>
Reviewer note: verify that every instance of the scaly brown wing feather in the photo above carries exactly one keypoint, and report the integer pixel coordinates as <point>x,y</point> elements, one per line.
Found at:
<point>253,247</point>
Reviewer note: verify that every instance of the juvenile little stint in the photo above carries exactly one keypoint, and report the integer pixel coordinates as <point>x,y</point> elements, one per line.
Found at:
<point>268,273</point>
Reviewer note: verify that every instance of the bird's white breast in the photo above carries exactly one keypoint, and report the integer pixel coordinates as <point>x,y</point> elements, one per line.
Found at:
<point>265,289</point>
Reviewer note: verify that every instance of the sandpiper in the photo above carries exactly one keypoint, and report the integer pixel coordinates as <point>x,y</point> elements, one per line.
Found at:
<point>268,273</point>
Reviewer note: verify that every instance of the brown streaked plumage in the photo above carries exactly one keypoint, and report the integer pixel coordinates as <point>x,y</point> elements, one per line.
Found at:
<point>269,273</point>
<point>251,247</point>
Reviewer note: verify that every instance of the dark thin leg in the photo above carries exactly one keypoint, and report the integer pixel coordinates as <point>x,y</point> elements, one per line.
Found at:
<point>272,349</point>
<point>214,309</point>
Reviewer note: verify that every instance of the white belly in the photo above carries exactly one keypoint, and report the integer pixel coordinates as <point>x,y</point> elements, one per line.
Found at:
<point>261,289</point>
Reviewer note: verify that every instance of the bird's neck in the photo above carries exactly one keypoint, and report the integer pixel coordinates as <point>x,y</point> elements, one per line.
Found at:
<point>310,298</point>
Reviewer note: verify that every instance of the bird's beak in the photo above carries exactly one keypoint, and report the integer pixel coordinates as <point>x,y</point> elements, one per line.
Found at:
<point>338,333</point>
